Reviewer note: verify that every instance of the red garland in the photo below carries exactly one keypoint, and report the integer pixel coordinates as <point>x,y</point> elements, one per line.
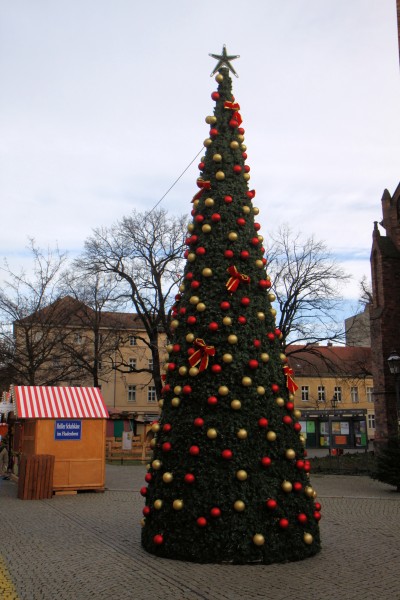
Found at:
<point>235,278</point>
<point>290,384</point>
<point>201,355</point>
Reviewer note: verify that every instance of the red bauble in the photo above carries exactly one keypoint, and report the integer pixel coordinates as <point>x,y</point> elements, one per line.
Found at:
<point>300,464</point>
<point>176,348</point>
<point>167,427</point>
<point>188,241</point>
<point>194,239</point>
<point>283,523</point>
<point>317,506</point>
<point>228,199</point>
<point>166,447</point>
<point>191,320</point>
<point>307,466</point>
<point>213,326</point>
<point>297,427</point>
<point>263,422</point>
<point>166,388</point>
<point>186,253</point>
<point>189,276</point>
<point>213,132</point>
<point>253,363</point>
<point>264,261</point>
<point>215,95</point>
<point>237,169</point>
<point>216,368</point>
<point>302,518</point>
<point>171,366</point>
<point>266,461</point>
<point>182,311</point>
<point>200,251</point>
<point>246,168</point>
<point>212,400</point>
<point>146,511</point>
<point>245,254</point>
<point>241,221</point>
<point>158,540</point>
<point>250,194</point>
<point>317,515</point>
<point>245,301</point>
<point>287,420</point>
<point>233,123</point>
<point>241,131</point>
<point>271,504</point>
<point>215,512</point>
<point>199,218</point>
<point>255,241</point>
<point>148,477</point>
<point>201,166</point>
<point>297,486</point>
<point>228,254</point>
<point>290,406</point>
<point>186,390</point>
<point>198,422</point>
<point>264,284</point>
<point>225,305</point>
<point>227,454</point>
<point>202,522</point>
<point>244,155</point>
<point>191,351</point>
<point>215,218</point>
<point>271,336</point>
<point>242,320</point>
<point>278,332</point>
<point>194,450</point>
<point>257,226</point>
<point>275,388</point>
<point>189,478</point>
<point>195,284</point>
<point>257,343</point>
<point>193,212</point>
<point>143,491</point>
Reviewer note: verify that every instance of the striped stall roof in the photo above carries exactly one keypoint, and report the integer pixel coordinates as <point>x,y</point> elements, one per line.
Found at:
<point>42,402</point>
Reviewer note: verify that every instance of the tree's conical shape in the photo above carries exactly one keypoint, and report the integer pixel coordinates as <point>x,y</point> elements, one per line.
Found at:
<point>228,481</point>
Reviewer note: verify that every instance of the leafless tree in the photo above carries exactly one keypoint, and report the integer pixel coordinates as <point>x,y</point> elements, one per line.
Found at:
<point>306,280</point>
<point>144,252</point>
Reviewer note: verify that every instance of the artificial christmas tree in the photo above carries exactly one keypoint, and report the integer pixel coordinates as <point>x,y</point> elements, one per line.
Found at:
<point>229,481</point>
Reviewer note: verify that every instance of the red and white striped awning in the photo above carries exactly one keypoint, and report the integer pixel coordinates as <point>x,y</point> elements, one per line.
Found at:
<point>41,402</point>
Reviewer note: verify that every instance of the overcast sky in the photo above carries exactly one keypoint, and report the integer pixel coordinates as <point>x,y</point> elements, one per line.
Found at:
<point>102,107</point>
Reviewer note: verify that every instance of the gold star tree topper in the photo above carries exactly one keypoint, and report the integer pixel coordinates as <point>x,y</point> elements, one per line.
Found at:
<point>224,60</point>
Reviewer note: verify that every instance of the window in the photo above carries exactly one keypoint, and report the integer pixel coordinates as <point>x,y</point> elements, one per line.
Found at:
<point>321,393</point>
<point>305,393</point>
<point>151,394</point>
<point>337,394</point>
<point>131,393</point>
<point>371,421</point>
<point>132,340</point>
<point>370,392</point>
<point>354,394</point>
<point>132,364</point>
<point>151,363</point>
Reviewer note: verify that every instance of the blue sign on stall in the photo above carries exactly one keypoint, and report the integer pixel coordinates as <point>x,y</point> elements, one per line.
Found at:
<point>66,429</point>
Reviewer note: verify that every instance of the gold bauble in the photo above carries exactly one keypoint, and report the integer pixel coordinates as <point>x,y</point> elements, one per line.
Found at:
<point>297,413</point>
<point>219,78</point>
<point>169,348</point>
<point>273,312</point>
<point>271,297</point>
<point>206,228</point>
<point>234,145</point>
<point>236,405</point>
<point>286,486</point>
<point>246,176</point>
<point>240,138</point>
<point>232,236</point>
<point>283,357</point>
<point>158,504</point>
<point>209,202</point>
<point>241,475</point>
<point>182,287</point>
<point>190,337</point>
<point>246,381</point>
<point>260,390</point>
<point>280,401</point>
<point>239,506</point>
<point>167,477</point>
<point>261,316</point>
<point>264,357</point>
<point>182,370</point>
<point>174,324</point>
<point>161,402</point>
<point>193,371</point>
<point>210,119</point>
<point>227,358</point>
<point>155,427</point>
<point>227,321</point>
<point>191,257</point>
<point>165,367</point>
<point>271,436</point>
<point>196,203</point>
<point>194,300</point>
<point>260,238</point>
<point>217,157</point>
<point>190,227</point>
<point>242,433</point>
<point>207,142</point>
<point>223,390</point>
<point>290,454</point>
<point>177,389</point>
<point>175,402</point>
<point>232,339</point>
<point>302,439</point>
<point>243,147</point>
<point>246,209</point>
<point>308,490</point>
<point>259,263</point>
<point>201,307</point>
<point>219,175</point>
<point>291,397</point>
<point>314,492</point>
<point>207,272</point>
<point>212,434</point>
<point>177,504</point>
<point>258,539</point>
<point>308,538</point>
<point>256,210</point>
<point>153,443</point>
<point>142,522</point>
<point>156,464</point>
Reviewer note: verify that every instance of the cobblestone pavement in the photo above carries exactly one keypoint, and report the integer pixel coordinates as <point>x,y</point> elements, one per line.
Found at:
<point>88,546</point>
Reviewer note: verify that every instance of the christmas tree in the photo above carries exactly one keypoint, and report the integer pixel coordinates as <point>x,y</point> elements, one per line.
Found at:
<point>229,480</point>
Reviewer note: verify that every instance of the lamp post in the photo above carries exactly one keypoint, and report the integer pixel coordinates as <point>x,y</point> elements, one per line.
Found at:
<point>394,367</point>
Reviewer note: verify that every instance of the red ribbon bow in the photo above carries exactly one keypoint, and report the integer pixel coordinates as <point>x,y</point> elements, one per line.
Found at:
<point>201,355</point>
<point>204,185</point>
<point>290,384</point>
<point>235,107</point>
<point>235,278</point>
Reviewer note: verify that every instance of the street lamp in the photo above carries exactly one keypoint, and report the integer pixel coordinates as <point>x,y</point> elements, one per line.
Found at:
<point>394,367</point>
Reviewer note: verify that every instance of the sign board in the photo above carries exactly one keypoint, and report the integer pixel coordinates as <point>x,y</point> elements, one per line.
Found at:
<point>65,429</point>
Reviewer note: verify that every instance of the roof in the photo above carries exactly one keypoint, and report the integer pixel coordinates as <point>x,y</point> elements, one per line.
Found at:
<point>330,361</point>
<point>42,402</point>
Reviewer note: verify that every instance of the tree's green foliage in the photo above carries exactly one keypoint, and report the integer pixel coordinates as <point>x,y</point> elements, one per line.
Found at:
<point>229,480</point>
<point>388,463</point>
